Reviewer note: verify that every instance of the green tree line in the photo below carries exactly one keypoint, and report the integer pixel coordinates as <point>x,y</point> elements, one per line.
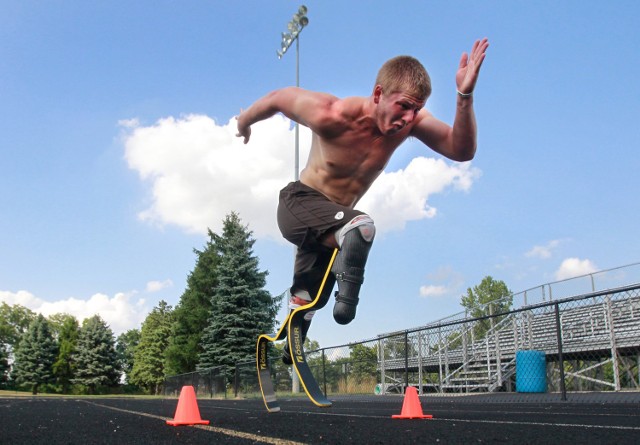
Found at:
<point>221,312</point>
<point>215,323</point>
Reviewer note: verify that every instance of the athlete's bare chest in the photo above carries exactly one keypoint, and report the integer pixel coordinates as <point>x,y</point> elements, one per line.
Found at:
<point>361,153</point>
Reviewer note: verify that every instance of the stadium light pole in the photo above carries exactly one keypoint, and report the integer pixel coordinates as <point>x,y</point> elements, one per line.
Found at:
<point>294,28</point>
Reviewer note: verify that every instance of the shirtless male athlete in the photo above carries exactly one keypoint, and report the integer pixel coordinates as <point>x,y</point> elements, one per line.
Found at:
<point>352,141</point>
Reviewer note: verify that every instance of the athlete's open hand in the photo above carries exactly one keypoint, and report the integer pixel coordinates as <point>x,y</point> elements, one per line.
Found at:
<point>469,67</point>
<point>244,131</point>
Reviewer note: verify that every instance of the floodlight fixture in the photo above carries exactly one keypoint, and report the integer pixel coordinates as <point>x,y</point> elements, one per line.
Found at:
<point>294,28</point>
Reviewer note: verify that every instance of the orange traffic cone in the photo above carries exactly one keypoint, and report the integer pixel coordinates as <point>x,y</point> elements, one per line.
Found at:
<point>187,412</point>
<point>411,407</point>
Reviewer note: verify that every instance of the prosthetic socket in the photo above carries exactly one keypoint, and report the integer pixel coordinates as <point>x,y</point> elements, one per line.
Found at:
<point>355,240</point>
<point>295,301</point>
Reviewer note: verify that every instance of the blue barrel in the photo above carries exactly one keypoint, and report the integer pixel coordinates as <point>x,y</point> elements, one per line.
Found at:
<point>531,371</point>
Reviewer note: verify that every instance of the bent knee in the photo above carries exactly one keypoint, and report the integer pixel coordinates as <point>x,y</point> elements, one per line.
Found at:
<point>363,224</point>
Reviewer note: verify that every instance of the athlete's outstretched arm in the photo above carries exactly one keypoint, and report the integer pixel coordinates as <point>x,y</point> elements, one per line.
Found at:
<point>458,142</point>
<point>305,107</point>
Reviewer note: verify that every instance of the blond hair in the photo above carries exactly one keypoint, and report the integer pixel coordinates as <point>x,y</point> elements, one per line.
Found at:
<point>404,74</point>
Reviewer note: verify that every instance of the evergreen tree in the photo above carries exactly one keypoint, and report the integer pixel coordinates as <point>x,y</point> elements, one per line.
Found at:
<point>126,345</point>
<point>149,356</point>
<point>190,316</point>
<point>4,365</point>
<point>35,355</point>
<point>96,359</point>
<point>241,308</point>
<point>64,366</point>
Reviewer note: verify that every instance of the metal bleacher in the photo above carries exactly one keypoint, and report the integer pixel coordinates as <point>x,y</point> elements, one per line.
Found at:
<point>601,327</point>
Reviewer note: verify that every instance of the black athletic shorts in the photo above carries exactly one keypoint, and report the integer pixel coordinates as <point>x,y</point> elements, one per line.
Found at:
<point>305,217</point>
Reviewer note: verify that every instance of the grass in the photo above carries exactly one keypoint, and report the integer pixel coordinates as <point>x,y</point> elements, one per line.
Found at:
<point>6,393</point>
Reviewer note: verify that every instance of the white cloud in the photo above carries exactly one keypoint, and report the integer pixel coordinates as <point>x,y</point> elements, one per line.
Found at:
<point>543,252</point>
<point>155,286</point>
<point>129,123</point>
<point>121,312</point>
<point>401,196</point>
<point>433,291</point>
<point>574,267</point>
<point>200,171</point>
<point>450,283</point>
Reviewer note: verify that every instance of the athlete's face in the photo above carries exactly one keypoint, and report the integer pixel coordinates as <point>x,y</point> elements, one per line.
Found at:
<point>396,111</point>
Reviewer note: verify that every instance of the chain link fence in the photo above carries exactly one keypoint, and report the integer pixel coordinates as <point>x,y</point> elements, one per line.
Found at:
<point>577,347</point>
<point>588,344</point>
<point>210,383</point>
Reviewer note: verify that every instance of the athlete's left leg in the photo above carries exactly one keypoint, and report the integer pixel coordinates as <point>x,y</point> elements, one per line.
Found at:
<point>311,267</point>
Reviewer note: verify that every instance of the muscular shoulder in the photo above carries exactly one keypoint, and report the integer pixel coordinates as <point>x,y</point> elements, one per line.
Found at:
<point>331,116</point>
<point>308,108</point>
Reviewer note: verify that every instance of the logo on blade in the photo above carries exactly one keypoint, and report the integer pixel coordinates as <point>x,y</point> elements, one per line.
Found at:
<point>263,355</point>
<point>339,215</point>
<point>297,344</point>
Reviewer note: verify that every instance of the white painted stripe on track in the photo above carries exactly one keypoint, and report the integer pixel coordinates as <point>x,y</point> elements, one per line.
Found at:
<point>225,431</point>
<point>500,422</point>
<point>569,425</point>
<point>444,419</point>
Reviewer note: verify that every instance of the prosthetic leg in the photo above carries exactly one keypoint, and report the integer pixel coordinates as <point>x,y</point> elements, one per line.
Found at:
<point>292,328</point>
<point>294,303</point>
<point>307,281</point>
<point>355,240</point>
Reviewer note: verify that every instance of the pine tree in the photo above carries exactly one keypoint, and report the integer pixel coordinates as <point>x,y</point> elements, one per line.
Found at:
<point>241,308</point>
<point>149,356</point>
<point>96,358</point>
<point>190,317</point>
<point>126,345</point>
<point>4,365</point>
<point>35,355</point>
<point>64,366</point>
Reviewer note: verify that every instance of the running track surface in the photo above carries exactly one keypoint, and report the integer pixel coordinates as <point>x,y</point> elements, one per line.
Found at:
<point>49,420</point>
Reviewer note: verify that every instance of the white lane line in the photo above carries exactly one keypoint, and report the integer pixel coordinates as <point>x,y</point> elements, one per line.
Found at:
<point>445,419</point>
<point>225,431</point>
<point>569,425</point>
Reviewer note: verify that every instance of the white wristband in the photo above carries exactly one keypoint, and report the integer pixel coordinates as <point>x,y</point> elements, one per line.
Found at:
<point>461,94</point>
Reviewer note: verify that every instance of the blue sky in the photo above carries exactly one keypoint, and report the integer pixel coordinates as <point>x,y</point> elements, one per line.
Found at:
<point>117,148</point>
